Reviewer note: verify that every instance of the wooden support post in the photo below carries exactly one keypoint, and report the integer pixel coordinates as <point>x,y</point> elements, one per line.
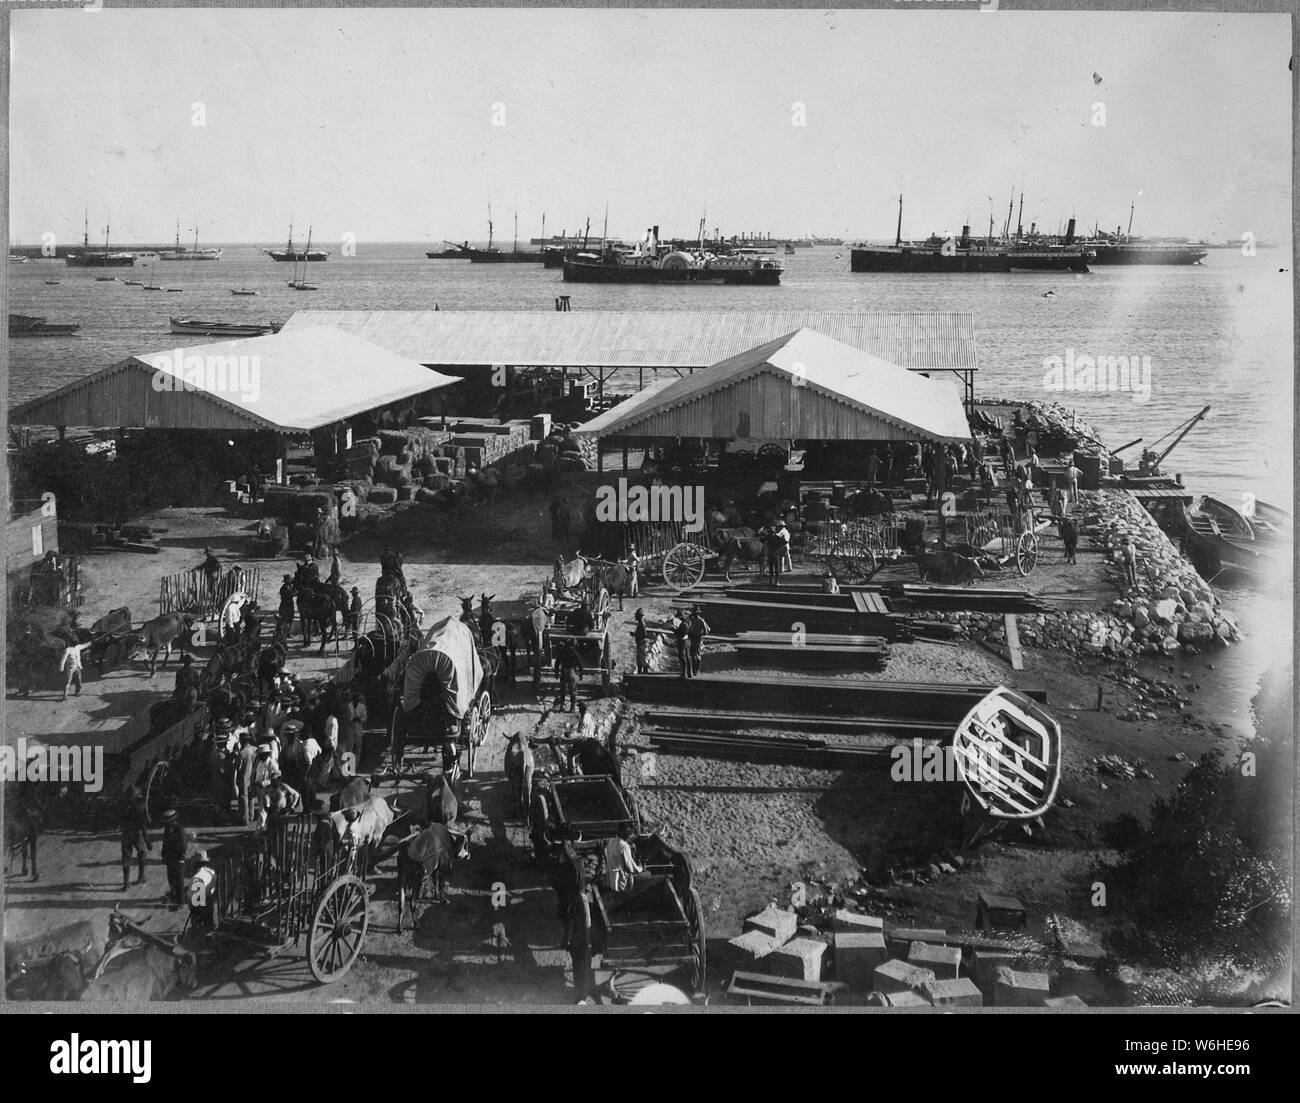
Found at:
<point>1013,642</point>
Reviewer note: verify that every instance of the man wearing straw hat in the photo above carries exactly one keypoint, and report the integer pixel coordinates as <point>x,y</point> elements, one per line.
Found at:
<point>175,845</point>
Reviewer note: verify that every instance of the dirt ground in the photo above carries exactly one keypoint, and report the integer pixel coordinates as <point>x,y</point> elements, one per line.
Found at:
<point>751,830</point>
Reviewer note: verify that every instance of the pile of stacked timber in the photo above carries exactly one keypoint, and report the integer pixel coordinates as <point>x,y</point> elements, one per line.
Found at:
<point>787,649</point>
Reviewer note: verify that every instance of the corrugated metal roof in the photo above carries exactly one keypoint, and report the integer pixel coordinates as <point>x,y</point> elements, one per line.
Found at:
<point>803,386</point>
<point>290,382</point>
<point>666,339</point>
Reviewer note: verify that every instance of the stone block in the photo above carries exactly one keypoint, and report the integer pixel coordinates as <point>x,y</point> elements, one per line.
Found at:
<point>944,961</point>
<point>800,958</point>
<point>857,955</point>
<point>1065,1001</point>
<point>1079,980</point>
<point>953,993</point>
<point>897,999</point>
<point>753,946</point>
<point>1017,989</point>
<point>845,920</point>
<point>897,975</point>
<point>777,922</point>
<point>985,971</point>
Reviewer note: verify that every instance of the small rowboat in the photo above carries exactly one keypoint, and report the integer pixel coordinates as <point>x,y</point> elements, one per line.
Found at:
<point>1008,755</point>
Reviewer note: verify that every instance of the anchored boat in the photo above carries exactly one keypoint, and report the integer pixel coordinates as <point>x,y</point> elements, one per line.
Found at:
<point>1007,751</point>
<point>203,328</point>
<point>189,254</point>
<point>29,325</point>
<point>652,262</point>
<point>289,253</point>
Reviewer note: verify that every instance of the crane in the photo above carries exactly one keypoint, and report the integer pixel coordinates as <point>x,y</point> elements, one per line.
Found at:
<point>1151,459</point>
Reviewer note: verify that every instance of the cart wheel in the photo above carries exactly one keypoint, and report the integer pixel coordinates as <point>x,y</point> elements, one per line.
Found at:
<point>580,948</point>
<point>602,605</point>
<point>155,792</point>
<point>338,928</point>
<point>698,948</point>
<point>1026,552</point>
<point>606,663</point>
<point>684,566</point>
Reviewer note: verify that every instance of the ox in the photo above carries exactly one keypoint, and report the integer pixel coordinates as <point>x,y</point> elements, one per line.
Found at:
<point>746,548</point>
<point>569,576</point>
<point>617,579</point>
<point>40,963</point>
<point>519,766</point>
<point>590,757</point>
<point>107,636</point>
<point>142,974</point>
<point>160,633</point>
<point>429,854</point>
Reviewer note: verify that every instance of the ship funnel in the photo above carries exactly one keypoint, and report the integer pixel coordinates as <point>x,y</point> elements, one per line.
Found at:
<point>965,237</point>
<point>1069,232</point>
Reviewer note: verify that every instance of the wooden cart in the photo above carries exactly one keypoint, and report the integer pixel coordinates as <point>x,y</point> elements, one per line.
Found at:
<point>666,548</point>
<point>854,550</point>
<point>270,890</point>
<point>594,646</point>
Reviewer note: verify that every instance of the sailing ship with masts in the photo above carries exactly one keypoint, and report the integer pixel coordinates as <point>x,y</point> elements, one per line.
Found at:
<point>289,253</point>
<point>89,258</point>
<point>492,255</point>
<point>196,253</point>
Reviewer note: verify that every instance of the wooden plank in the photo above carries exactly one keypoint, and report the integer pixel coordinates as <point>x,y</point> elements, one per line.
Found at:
<point>1013,642</point>
<point>778,989</point>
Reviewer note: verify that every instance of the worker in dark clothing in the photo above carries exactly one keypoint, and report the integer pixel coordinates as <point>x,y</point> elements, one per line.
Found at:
<point>211,568</point>
<point>354,614</point>
<point>187,682</point>
<point>175,845</point>
<point>568,665</point>
<point>681,633</point>
<point>582,620</point>
<point>135,839</point>
<point>1069,530</point>
<point>696,629</point>
<point>308,569</point>
<point>284,615</point>
<point>642,638</point>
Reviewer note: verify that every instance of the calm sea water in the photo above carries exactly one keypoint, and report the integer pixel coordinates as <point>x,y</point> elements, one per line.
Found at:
<point>1218,334</point>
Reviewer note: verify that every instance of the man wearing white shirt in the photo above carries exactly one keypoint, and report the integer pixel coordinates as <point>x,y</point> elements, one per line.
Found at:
<point>621,865</point>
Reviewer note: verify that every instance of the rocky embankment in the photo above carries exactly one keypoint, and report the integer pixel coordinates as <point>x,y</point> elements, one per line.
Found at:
<point>1172,608</point>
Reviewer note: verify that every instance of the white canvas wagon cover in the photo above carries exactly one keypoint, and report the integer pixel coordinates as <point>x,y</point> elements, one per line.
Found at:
<point>449,655</point>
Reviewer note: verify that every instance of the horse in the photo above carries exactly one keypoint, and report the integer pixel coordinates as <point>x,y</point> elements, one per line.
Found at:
<point>324,606</point>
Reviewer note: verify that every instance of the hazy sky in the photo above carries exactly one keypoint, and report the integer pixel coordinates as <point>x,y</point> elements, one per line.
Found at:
<point>380,122</point>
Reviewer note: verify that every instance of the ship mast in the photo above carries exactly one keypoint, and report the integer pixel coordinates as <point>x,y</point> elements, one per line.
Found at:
<point>1129,231</point>
<point>489,225</point>
<point>516,249</point>
<point>85,231</point>
<point>898,234</point>
<point>1020,216</point>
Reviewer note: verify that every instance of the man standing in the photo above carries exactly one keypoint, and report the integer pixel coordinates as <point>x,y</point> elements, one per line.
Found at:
<point>681,632</point>
<point>1059,503</point>
<point>187,681</point>
<point>642,638</point>
<point>320,542</point>
<point>696,629</point>
<point>1128,560</point>
<point>175,844</point>
<point>244,776</point>
<point>773,549</point>
<point>284,615</point>
<point>354,614</point>
<point>586,722</point>
<point>211,568</point>
<point>621,865</point>
<point>1072,475</point>
<point>135,839</point>
<point>309,570</point>
<point>201,888</point>
<point>568,665</point>
<point>1069,531</point>
<point>71,663</point>
<point>873,467</point>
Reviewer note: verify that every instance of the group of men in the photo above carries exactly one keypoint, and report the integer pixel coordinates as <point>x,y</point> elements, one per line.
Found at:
<point>689,632</point>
